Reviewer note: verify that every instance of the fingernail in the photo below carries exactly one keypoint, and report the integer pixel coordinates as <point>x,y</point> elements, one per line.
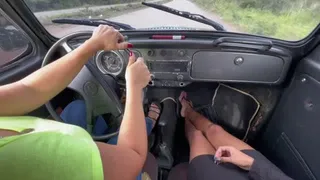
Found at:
<point>130,45</point>
<point>130,54</point>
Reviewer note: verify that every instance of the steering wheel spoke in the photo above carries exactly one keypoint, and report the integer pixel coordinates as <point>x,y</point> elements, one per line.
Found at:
<point>92,91</point>
<point>66,47</point>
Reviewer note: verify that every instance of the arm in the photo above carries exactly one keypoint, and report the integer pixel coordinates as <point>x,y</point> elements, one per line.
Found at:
<point>265,170</point>
<point>259,169</point>
<point>31,92</point>
<point>125,161</point>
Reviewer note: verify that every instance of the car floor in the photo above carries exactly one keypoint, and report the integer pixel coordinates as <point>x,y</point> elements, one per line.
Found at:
<point>200,94</point>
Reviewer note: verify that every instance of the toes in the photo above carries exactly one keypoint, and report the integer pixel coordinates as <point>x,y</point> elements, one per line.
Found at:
<point>154,111</point>
<point>183,95</point>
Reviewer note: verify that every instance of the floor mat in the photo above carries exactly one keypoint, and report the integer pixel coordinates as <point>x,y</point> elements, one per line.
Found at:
<point>234,110</point>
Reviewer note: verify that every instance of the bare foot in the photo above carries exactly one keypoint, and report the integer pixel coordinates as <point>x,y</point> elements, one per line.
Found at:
<point>185,104</point>
<point>154,112</point>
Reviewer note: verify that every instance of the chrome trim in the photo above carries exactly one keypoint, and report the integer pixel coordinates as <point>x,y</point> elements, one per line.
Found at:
<point>98,62</point>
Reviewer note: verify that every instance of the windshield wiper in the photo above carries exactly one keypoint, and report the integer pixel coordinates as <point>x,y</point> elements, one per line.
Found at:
<point>93,22</point>
<point>195,17</point>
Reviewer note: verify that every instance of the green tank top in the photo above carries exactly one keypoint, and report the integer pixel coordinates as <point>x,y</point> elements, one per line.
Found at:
<point>52,150</point>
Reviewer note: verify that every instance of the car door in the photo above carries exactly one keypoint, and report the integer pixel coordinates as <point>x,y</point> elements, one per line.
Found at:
<point>291,139</point>
<point>21,51</point>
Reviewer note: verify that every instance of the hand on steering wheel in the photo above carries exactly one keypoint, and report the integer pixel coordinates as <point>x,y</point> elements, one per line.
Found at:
<point>107,38</point>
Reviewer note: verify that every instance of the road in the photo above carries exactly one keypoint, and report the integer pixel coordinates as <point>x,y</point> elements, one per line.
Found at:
<point>45,14</point>
<point>149,17</point>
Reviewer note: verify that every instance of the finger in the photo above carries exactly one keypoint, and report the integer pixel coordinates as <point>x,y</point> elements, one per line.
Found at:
<point>221,151</point>
<point>132,59</point>
<point>123,45</point>
<point>140,60</point>
<point>120,37</point>
<point>226,159</point>
<point>218,153</point>
<point>97,29</point>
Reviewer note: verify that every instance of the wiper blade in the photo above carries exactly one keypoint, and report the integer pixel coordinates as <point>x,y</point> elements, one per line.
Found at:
<point>93,22</point>
<point>195,17</point>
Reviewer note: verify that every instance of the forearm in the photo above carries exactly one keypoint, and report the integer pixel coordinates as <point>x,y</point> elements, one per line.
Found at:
<point>31,92</point>
<point>133,133</point>
<point>265,170</point>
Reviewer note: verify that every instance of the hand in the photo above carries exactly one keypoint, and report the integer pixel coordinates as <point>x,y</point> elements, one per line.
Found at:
<point>232,155</point>
<point>137,73</point>
<point>107,38</point>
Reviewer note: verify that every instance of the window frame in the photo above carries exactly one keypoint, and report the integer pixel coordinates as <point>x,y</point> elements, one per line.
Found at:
<point>30,46</point>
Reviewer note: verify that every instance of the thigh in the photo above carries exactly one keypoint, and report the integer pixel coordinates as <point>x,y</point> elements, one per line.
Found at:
<point>217,136</point>
<point>151,167</point>
<point>179,172</point>
<point>199,145</point>
<point>204,168</point>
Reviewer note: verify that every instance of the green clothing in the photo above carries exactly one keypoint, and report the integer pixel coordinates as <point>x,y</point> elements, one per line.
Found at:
<point>53,150</point>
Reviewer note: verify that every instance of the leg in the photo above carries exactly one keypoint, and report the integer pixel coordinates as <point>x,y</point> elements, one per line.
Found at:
<point>219,137</point>
<point>216,135</point>
<point>75,113</point>
<point>200,122</point>
<point>153,115</point>
<point>199,145</point>
<point>179,172</point>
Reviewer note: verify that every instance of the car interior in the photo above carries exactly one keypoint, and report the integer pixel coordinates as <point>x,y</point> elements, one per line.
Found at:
<point>262,90</point>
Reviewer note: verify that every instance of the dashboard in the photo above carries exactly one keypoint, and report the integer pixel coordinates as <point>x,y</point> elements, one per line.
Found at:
<point>177,63</point>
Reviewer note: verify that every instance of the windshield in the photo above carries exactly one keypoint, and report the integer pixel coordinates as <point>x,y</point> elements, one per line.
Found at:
<point>283,19</point>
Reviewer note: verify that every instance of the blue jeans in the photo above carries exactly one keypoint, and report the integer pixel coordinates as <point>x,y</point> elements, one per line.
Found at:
<point>75,113</point>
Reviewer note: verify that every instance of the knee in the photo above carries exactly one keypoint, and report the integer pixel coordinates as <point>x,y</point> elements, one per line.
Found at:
<point>79,105</point>
<point>213,130</point>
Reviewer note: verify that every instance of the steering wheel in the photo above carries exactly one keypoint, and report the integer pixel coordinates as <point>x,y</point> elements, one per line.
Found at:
<point>98,95</point>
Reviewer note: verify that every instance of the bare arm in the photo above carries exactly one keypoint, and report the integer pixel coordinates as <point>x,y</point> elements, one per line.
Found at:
<point>125,161</point>
<point>31,92</point>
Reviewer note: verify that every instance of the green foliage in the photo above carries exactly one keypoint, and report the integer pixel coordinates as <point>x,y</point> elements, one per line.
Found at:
<point>283,19</point>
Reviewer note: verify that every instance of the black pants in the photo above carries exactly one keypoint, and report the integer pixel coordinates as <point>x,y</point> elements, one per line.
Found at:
<point>204,168</point>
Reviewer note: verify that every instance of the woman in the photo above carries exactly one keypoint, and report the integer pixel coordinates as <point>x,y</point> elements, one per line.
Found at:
<point>216,154</point>
<point>32,148</point>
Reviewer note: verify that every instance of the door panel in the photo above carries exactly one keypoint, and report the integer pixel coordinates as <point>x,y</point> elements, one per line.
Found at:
<point>291,139</point>
<point>21,51</point>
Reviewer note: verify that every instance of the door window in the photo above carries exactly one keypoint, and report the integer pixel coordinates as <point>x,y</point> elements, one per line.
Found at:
<point>13,42</point>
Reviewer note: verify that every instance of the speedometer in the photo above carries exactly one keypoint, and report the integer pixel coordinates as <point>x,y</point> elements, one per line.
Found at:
<point>110,62</point>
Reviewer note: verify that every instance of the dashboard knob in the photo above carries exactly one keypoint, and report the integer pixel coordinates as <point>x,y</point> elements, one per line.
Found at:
<point>238,61</point>
<point>151,53</point>
<point>181,52</point>
<point>163,52</point>
<point>180,77</point>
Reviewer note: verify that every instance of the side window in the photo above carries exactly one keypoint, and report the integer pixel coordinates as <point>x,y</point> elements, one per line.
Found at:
<point>13,42</point>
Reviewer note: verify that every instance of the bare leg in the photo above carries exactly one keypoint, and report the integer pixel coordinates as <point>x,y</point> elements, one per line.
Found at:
<point>199,145</point>
<point>216,135</point>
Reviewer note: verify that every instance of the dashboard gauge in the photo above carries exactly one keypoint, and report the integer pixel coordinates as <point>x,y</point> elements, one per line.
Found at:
<point>110,62</point>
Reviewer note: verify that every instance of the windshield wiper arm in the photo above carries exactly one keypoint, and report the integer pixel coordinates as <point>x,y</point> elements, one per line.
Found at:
<point>195,17</point>
<point>93,22</point>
